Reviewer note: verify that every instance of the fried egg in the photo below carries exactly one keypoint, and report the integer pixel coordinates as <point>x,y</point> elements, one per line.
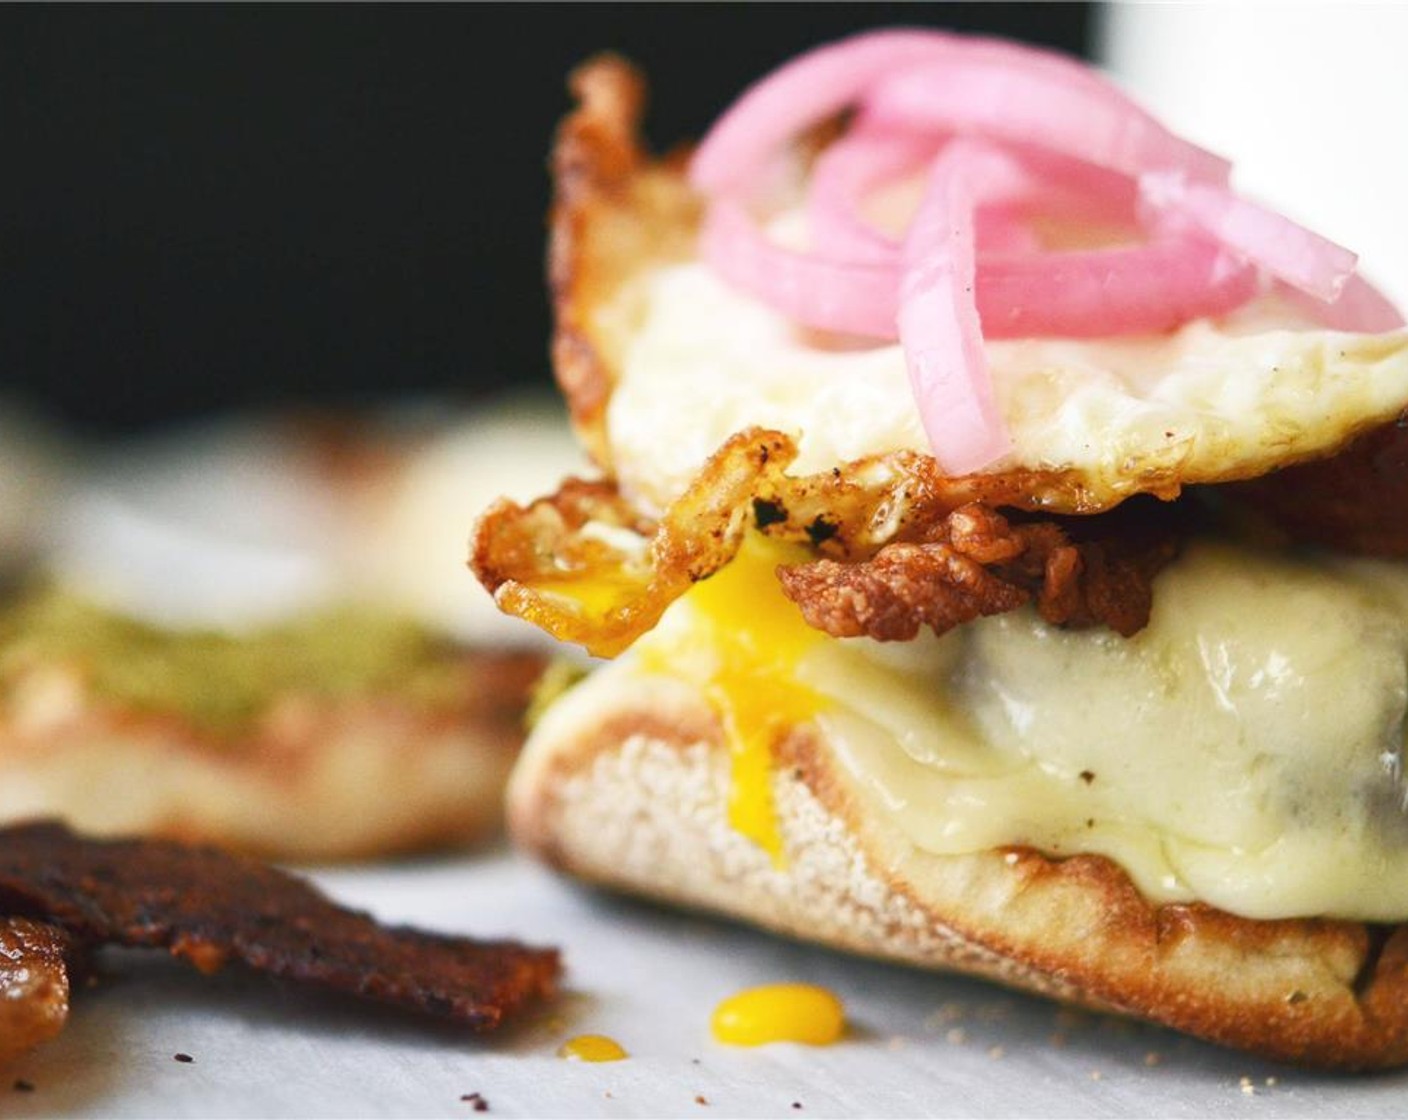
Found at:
<point>1216,400</point>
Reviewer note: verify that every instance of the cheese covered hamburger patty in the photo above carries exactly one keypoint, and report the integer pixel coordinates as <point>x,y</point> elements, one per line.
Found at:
<point>1198,817</point>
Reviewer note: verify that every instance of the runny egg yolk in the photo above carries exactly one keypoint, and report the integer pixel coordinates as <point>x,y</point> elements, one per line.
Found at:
<point>780,1013</point>
<point>592,1048</point>
<point>759,637</point>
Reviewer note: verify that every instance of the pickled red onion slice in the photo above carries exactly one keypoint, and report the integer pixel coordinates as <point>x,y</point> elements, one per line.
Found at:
<point>844,174</point>
<point>817,85</point>
<point>985,97</point>
<point>1002,232</point>
<point>850,297</point>
<point>1014,140</point>
<point>1084,294</point>
<point>1361,308</point>
<point>1290,252</point>
<point>856,164</point>
<point>938,314</point>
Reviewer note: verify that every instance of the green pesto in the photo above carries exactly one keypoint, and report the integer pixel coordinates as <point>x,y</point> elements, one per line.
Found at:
<point>560,675</point>
<point>221,682</point>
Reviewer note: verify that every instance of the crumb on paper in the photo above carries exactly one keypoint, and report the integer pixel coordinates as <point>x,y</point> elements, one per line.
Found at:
<point>183,1058</point>
<point>700,1098</point>
<point>1270,1082</point>
<point>996,1052</point>
<point>797,1104</point>
<point>477,1101</point>
<point>1153,1058</point>
<point>1248,1089</point>
<point>957,1036</point>
<point>1096,1075</point>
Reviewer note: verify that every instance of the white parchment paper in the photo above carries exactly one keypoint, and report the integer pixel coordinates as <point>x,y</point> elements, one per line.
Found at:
<point>920,1045</point>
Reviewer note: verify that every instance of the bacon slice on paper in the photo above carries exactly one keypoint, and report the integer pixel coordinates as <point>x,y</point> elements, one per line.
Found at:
<point>210,908</point>
<point>34,984</point>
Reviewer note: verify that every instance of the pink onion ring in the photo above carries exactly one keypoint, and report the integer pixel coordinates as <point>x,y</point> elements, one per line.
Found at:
<point>1291,253</point>
<point>1014,139</point>
<point>1082,294</point>
<point>938,313</point>
<point>983,96</point>
<point>843,175</point>
<point>1360,308</point>
<point>819,84</point>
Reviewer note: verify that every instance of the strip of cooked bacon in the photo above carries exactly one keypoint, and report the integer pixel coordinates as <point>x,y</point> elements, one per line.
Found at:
<point>34,984</point>
<point>1356,501</point>
<point>208,907</point>
<point>976,562</point>
<point>895,530</point>
<point>582,567</point>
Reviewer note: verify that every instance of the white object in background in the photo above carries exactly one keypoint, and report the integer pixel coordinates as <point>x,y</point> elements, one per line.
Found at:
<point>224,525</point>
<point>34,464</point>
<point>1309,101</point>
<point>517,447</point>
<point>247,521</point>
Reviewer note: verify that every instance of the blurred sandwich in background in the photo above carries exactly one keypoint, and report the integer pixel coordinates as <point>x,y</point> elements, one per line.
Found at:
<point>32,475</point>
<point>258,633</point>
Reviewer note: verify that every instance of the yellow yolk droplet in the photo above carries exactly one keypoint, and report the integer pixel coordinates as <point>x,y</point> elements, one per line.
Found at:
<point>780,1013</point>
<point>758,636</point>
<point>598,595</point>
<point>592,1048</point>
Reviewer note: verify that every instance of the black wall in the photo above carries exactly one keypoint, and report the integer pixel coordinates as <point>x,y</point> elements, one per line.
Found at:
<point>203,207</point>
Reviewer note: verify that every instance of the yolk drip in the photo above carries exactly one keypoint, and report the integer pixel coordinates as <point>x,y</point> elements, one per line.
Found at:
<point>592,1048</point>
<point>758,637</point>
<point>597,595</point>
<point>780,1013</point>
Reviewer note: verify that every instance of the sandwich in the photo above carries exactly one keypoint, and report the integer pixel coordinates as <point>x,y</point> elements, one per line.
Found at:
<point>998,542</point>
<point>228,641</point>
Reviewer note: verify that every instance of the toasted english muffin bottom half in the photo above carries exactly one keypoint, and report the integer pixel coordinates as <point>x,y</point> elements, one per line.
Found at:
<point>1118,719</point>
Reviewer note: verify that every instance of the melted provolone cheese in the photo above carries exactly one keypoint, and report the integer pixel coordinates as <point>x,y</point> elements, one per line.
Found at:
<point>1242,750</point>
<point>1216,399</point>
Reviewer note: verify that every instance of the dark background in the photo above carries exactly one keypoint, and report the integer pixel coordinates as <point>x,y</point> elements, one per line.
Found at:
<point>206,207</point>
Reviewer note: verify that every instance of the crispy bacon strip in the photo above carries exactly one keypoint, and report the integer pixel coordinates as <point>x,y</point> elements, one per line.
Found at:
<point>977,563</point>
<point>34,984</point>
<point>583,567</point>
<point>208,908</point>
<point>1356,501</point>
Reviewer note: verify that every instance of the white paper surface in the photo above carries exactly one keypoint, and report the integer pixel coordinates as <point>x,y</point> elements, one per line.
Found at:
<point>920,1044</point>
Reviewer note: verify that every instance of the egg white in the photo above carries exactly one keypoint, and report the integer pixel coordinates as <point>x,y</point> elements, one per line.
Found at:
<point>1214,400</point>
